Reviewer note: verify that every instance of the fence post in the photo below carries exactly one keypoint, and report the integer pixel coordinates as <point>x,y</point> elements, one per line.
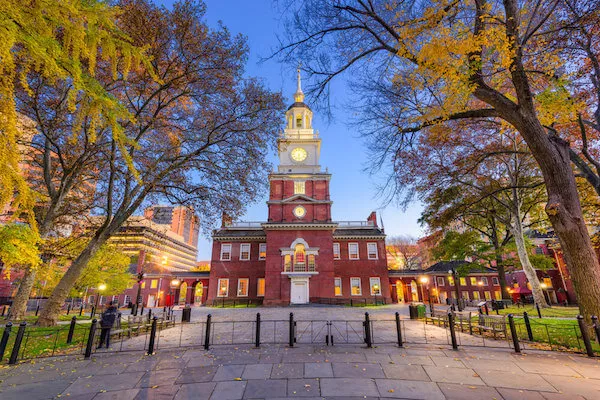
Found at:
<point>81,310</point>
<point>452,331</point>
<point>292,333</point>
<point>585,336</point>
<point>368,338</point>
<point>4,340</point>
<point>257,333</point>
<point>93,312</point>
<point>528,326</point>
<point>68,308</point>
<point>152,336</point>
<point>207,333</point>
<point>71,329</point>
<point>90,341</point>
<point>37,310</point>
<point>142,309</point>
<point>596,327</point>
<point>399,329</point>
<point>537,307</point>
<point>149,314</point>
<point>17,345</point>
<point>513,333</point>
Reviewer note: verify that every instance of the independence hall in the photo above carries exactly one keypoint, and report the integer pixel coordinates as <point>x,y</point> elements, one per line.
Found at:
<point>299,255</point>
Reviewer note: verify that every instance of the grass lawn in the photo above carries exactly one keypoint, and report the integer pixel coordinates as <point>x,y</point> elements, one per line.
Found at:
<point>555,334</point>
<point>556,311</point>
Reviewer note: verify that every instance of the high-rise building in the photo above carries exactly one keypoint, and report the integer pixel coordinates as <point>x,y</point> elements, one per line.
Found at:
<point>181,220</point>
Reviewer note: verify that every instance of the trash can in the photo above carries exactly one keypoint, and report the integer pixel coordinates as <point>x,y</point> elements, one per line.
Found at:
<point>186,314</point>
<point>421,311</point>
<point>412,311</point>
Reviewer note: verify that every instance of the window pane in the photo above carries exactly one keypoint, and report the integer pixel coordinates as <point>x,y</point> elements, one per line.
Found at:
<point>262,251</point>
<point>223,287</point>
<point>473,281</point>
<point>243,287</point>
<point>355,286</point>
<point>226,252</point>
<point>440,281</point>
<point>484,280</point>
<point>353,251</point>
<point>245,251</point>
<point>260,290</point>
<point>336,251</point>
<point>463,281</point>
<point>154,284</point>
<point>375,286</point>
<point>495,281</point>
<point>338,286</point>
<point>372,251</point>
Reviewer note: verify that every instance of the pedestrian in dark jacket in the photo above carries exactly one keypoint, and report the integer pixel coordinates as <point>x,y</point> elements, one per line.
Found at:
<point>106,322</point>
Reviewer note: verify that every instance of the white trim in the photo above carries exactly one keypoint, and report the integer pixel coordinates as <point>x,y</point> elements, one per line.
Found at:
<point>240,280</point>
<point>241,251</point>
<point>335,280</point>
<point>359,286</point>
<point>369,252</point>
<point>357,251</point>
<point>219,287</point>
<point>375,279</point>
<point>337,256</point>
<point>223,246</point>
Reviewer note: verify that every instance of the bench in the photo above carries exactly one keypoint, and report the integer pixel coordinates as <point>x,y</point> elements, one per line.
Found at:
<point>462,320</point>
<point>491,323</point>
<point>439,316</point>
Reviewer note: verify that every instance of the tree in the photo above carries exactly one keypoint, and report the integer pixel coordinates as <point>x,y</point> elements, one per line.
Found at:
<point>200,135</point>
<point>429,64</point>
<point>60,41</point>
<point>403,253</point>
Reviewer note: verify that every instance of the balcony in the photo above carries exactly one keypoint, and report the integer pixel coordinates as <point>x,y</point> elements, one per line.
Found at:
<point>299,267</point>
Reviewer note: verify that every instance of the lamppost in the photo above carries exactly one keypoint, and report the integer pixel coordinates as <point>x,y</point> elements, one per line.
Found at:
<point>480,285</point>
<point>101,288</point>
<point>456,282</point>
<point>174,284</point>
<point>423,280</point>
<point>138,298</point>
<point>544,286</point>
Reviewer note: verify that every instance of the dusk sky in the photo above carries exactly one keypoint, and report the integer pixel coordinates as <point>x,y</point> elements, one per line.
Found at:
<point>343,152</point>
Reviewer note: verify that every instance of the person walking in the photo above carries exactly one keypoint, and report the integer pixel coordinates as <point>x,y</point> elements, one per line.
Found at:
<point>106,323</point>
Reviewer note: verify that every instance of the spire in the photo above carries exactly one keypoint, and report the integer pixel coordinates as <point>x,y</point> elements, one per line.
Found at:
<point>299,95</point>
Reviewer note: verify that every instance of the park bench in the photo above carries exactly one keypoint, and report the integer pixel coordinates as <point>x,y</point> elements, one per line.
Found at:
<point>137,324</point>
<point>462,320</point>
<point>439,316</point>
<point>491,323</point>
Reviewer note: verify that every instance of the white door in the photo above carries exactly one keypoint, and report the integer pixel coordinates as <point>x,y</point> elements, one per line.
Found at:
<point>299,292</point>
<point>150,301</point>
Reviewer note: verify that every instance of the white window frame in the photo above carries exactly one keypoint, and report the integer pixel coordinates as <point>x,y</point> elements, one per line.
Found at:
<point>242,245</point>
<point>337,282</point>
<point>357,251</point>
<point>223,251</point>
<point>375,279</point>
<point>226,287</point>
<point>337,255</point>
<point>258,294</point>
<point>487,295</point>
<point>485,281</point>
<point>369,252</point>
<point>127,299</point>
<point>299,187</point>
<point>240,280</point>
<point>495,281</point>
<point>359,286</point>
<point>262,248</point>
<point>441,281</point>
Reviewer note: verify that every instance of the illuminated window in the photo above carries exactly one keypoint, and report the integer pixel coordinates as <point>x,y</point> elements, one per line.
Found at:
<point>488,295</point>
<point>299,122</point>
<point>463,281</point>
<point>453,294</point>
<point>260,287</point>
<point>311,262</point>
<point>484,280</point>
<point>548,282</point>
<point>226,252</point>
<point>242,287</point>
<point>473,281</point>
<point>223,287</point>
<point>476,296</point>
<point>372,251</point>
<point>299,255</point>
<point>244,251</point>
<point>353,251</point>
<point>440,281</point>
<point>497,295</point>
<point>495,281</point>
<point>465,295</point>
<point>528,285</point>
<point>262,251</point>
<point>355,289</point>
<point>144,285</point>
<point>299,188</point>
<point>336,251</point>
<point>287,262</point>
<point>154,284</point>
<point>451,281</point>
<point>337,282</point>
<point>375,284</point>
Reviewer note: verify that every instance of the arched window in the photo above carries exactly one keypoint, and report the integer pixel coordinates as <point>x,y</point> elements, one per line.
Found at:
<point>299,255</point>
<point>198,292</point>
<point>182,293</point>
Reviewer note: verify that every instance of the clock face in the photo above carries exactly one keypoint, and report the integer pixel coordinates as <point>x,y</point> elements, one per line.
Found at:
<point>299,212</point>
<point>299,154</point>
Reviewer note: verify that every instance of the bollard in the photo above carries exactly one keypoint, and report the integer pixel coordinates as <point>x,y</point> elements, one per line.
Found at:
<point>292,337</point>
<point>152,337</point>
<point>17,345</point>
<point>90,341</point>
<point>452,331</point>
<point>585,336</point>
<point>596,327</point>
<point>4,340</point>
<point>207,333</point>
<point>68,308</point>
<point>513,333</point>
<point>71,329</point>
<point>142,310</point>
<point>93,312</point>
<point>398,329</point>
<point>81,310</point>
<point>149,315</point>
<point>528,326</point>
<point>537,306</point>
<point>368,338</point>
<point>134,310</point>
<point>37,310</point>
<point>257,334</point>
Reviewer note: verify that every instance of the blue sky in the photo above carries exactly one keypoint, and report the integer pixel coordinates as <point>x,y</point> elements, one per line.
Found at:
<point>343,152</point>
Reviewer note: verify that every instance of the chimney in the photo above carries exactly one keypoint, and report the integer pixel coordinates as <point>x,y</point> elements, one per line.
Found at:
<point>373,218</point>
<point>226,220</point>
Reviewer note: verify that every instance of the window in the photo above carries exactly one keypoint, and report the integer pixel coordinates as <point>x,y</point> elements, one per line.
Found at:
<point>476,296</point>
<point>453,294</point>
<point>299,187</point>
<point>484,280</point>
<point>244,251</point>
<point>372,251</point>
<point>440,281</point>
<point>548,282</point>
<point>463,281</point>
<point>488,295</point>
<point>337,285</point>
<point>375,284</point>
<point>498,295</point>
<point>299,255</point>
<point>262,251</point>
<point>299,122</point>
<point>242,287</point>
<point>225,252</point>
<point>287,262</point>
<point>473,281</point>
<point>465,295</point>
<point>355,289</point>
<point>353,251</point>
<point>336,251</point>
<point>451,281</point>
<point>154,284</point>
<point>223,289</point>
<point>260,287</point>
<point>311,262</point>
<point>495,281</point>
<point>144,285</point>
<point>127,299</point>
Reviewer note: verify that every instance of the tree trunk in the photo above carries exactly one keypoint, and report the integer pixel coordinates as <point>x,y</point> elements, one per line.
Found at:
<point>19,305</point>
<point>502,277</point>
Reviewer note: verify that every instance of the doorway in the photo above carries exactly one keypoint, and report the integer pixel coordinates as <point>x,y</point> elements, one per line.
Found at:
<point>299,291</point>
<point>400,291</point>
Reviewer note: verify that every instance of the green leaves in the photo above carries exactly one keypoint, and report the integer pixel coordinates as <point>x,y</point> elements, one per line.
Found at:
<point>19,246</point>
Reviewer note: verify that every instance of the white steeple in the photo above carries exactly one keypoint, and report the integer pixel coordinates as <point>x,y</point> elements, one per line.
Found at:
<point>299,95</point>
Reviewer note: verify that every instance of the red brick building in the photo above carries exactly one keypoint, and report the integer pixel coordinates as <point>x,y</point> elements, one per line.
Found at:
<point>299,255</point>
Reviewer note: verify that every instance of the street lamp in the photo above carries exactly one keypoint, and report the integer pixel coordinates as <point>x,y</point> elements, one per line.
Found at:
<point>174,284</point>
<point>101,288</point>
<point>423,280</point>
<point>138,298</point>
<point>454,278</point>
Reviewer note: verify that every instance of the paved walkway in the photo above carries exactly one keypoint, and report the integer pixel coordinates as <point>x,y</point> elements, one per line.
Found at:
<point>418,371</point>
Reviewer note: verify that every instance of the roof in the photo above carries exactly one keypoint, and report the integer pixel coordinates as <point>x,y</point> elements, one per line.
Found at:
<point>298,104</point>
<point>238,233</point>
<point>374,231</point>
<point>445,266</point>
